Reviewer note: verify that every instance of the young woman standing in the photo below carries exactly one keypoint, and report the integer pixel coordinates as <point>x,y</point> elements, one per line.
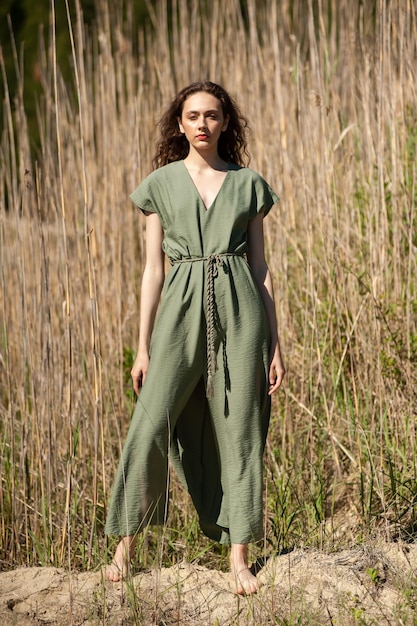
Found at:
<point>209,355</point>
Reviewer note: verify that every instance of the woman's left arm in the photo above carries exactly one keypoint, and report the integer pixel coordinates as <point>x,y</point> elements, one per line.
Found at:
<point>262,276</point>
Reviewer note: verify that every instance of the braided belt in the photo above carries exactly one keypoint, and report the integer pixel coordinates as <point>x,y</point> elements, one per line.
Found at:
<point>214,261</point>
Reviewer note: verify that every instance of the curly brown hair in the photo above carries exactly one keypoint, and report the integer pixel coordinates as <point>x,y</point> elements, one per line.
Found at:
<point>174,146</point>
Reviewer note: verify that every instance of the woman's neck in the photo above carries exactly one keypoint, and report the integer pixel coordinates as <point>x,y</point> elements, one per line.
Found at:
<point>207,160</point>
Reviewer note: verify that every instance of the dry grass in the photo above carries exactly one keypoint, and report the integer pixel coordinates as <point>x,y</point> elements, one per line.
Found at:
<point>331,98</point>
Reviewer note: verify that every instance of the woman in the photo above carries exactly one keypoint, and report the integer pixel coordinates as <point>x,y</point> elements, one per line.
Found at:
<point>204,381</point>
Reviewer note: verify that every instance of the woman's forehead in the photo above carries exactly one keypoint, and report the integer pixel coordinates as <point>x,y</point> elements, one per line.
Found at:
<point>202,101</point>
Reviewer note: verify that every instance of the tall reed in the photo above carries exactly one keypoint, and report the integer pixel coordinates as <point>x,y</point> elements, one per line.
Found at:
<point>329,89</point>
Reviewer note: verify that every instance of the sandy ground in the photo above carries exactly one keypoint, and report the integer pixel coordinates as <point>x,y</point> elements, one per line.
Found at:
<point>373,584</point>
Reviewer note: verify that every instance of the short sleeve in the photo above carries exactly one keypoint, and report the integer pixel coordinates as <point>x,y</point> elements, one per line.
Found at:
<point>144,196</point>
<point>265,196</point>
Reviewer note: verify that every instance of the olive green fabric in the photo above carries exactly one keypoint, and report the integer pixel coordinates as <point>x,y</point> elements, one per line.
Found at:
<point>214,443</point>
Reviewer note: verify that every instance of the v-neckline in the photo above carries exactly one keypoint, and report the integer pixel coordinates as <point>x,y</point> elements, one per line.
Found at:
<point>206,209</point>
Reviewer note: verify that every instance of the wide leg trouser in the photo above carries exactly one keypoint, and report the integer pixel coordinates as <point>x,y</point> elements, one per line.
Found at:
<point>218,451</point>
<point>216,444</point>
<point>139,494</point>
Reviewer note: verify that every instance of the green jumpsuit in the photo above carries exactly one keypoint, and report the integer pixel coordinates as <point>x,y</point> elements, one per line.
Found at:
<point>205,405</point>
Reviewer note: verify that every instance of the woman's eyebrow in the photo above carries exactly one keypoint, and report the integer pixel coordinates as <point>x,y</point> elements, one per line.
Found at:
<point>205,112</point>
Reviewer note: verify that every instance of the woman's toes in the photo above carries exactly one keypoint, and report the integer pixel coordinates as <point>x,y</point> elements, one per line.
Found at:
<point>114,573</point>
<point>246,582</point>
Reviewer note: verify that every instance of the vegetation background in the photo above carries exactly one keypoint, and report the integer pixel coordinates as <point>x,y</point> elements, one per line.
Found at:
<point>329,88</point>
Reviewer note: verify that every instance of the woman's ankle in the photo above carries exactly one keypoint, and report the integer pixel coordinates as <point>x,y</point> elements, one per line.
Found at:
<point>239,555</point>
<point>126,547</point>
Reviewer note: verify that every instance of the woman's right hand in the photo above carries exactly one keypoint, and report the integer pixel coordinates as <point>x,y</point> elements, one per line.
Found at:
<point>139,371</point>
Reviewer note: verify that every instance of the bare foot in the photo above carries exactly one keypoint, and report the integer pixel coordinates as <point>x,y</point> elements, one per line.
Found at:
<point>120,566</point>
<point>246,583</point>
<point>114,573</point>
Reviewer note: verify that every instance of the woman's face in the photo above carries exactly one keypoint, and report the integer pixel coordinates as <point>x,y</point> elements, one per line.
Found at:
<point>202,120</point>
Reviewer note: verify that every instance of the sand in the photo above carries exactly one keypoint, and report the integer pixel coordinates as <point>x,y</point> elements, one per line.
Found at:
<point>372,584</point>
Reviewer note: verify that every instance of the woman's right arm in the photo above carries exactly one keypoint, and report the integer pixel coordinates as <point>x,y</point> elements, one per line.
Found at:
<point>152,281</point>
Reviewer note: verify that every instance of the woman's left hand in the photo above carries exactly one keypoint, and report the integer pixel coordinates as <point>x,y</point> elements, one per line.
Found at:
<point>276,371</point>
